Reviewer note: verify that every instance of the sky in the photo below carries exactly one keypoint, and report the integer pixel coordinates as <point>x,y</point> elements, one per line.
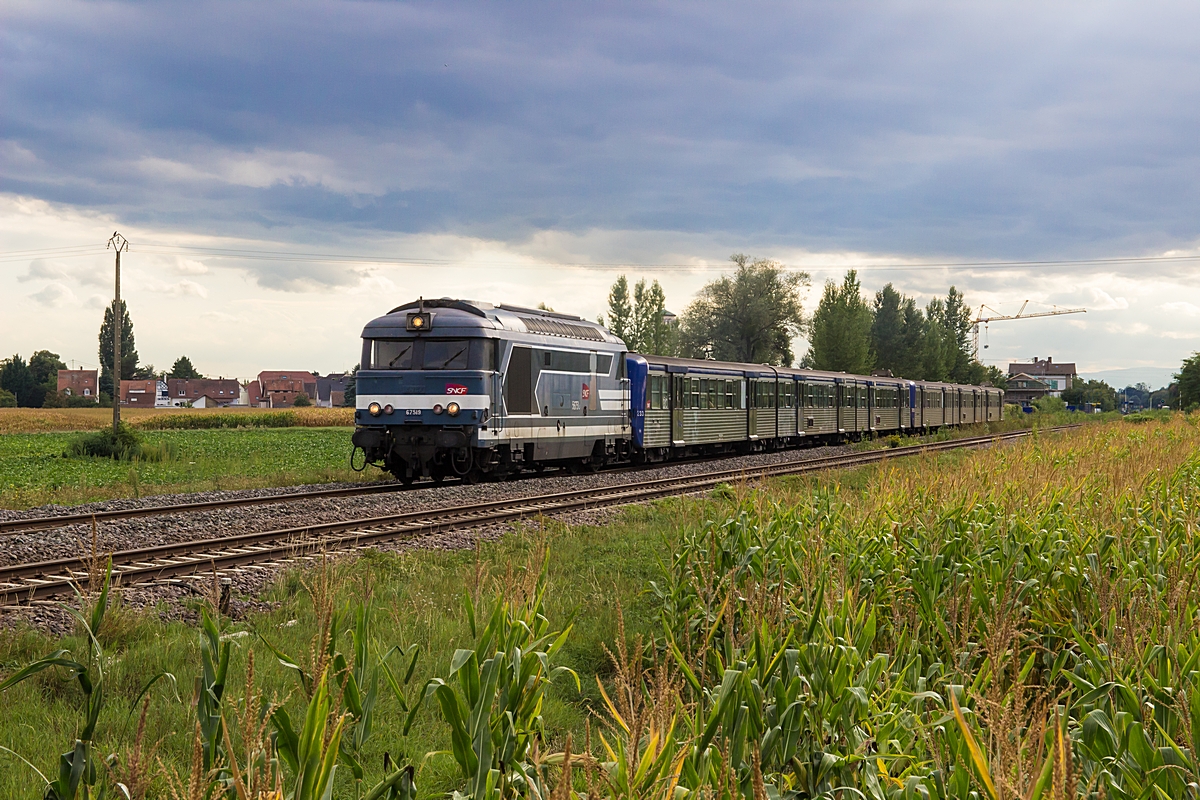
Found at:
<point>285,171</point>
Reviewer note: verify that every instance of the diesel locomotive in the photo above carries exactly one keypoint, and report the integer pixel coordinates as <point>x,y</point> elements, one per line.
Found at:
<point>476,391</point>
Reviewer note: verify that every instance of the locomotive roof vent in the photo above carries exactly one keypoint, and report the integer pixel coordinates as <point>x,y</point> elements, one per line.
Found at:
<point>554,327</point>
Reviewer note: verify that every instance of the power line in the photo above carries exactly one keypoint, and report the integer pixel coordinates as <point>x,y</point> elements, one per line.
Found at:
<point>157,248</point>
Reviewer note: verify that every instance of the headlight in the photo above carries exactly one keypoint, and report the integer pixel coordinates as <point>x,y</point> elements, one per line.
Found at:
<point>388,409</point>
<point>452,409</point>
<point>374,409</point>
<point>437,408</point>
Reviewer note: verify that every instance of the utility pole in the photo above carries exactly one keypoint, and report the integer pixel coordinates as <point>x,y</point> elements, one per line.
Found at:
<point>118,243</point>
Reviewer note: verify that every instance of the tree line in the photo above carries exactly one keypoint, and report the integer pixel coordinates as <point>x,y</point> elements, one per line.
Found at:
<point>756,313</point>
<point>34,383</point>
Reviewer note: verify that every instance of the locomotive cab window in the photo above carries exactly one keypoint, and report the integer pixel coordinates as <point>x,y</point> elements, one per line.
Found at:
<point>392,353</point>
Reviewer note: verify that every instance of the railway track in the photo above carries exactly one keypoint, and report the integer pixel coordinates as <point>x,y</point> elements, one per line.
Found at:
<point>31,582</point>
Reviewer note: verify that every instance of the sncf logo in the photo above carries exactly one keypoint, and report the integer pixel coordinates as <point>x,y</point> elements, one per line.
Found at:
<point>455,388</point>
<point>587,392</point>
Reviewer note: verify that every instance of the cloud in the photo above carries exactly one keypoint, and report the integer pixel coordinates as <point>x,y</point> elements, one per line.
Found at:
<point>41,269</point>
<point>1181,307</point>
<point>54,295</point>
<point>1103,301</point>
<point>181,288</point>
<point>189,266</point>
<point>973,132</point>
<point>219,317</point>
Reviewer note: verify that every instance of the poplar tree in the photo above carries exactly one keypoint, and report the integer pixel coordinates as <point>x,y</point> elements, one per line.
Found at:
<point>129,356</point>
<point>840,337</point>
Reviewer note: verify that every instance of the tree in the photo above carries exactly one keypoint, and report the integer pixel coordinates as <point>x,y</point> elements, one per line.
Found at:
<point>840,336</point>
<point>7,399</point>
<point>351,396</point>
<point>1091,392</point>
<point>886,328</point>
<point>993,375</point>
<point>750,317</point>
<point>640,322</point>
<point>129,356</point>
<point>620,311</point>
<point>910,350</point>
<point>1188,379</point>
<point>936,358</point>
<point>302,399</point>
<point>44,367</point>
<point>182,368</point>
<point>16,377</point>
<point>956,321</point>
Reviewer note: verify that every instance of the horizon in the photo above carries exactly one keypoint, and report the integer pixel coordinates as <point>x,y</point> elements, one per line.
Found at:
<point>285,176</point>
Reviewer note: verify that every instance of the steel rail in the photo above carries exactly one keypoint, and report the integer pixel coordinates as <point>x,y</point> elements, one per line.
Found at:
<point>23,583</point>
<point>15,526</point>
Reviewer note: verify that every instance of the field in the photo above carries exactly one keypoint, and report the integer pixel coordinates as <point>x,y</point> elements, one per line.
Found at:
<point>50,420</point>
<point>1020,622</point>
<point>33,471</point>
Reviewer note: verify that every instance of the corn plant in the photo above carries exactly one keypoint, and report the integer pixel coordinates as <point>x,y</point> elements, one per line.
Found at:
<point>81,774</point>
<point>493,698</point>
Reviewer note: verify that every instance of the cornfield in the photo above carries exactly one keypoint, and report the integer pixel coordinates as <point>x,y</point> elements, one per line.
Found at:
<point>1018,622</point>
<point>46,420</point>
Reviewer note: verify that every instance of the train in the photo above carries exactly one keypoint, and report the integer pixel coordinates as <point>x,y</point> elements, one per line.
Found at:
<point>466,389</point>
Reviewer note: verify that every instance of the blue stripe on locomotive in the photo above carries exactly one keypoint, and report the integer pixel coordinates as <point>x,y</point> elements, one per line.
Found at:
<point>637,370</point>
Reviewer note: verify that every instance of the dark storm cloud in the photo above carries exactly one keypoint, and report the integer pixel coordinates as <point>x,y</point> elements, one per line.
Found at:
<point>1002,130</point>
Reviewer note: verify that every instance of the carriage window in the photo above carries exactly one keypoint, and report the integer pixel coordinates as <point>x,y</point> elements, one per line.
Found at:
<point>695,393</point>
<point>391,353</point>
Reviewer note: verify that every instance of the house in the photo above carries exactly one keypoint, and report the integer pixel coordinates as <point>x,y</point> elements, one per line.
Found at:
<point>331,391</point>
<point>78,383</point>
<point>280,388</point>
<point>1057,376</point>
<point>144,394</point>
<point>220,391</point>
<point>1024,389</point>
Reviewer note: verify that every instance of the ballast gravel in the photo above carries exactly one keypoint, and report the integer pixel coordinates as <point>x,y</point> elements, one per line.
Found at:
<point>126,534</point>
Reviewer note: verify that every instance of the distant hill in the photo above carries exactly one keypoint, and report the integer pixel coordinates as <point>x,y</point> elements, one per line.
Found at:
<point>1154,377</point>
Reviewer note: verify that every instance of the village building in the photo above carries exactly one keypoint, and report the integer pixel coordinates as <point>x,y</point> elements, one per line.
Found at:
<point>331,391</point>
<point>78,383</point>
<point>280,388</point>
<point>144,394</point>
<point>1059,377</point>
<point>204,392</point>
<point>1025,389</point>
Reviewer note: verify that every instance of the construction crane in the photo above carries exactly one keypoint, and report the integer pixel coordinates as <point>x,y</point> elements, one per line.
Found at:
<point>1019,315</point>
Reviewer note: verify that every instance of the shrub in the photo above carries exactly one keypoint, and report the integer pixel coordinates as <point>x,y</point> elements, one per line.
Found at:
<point>123,445</point>
<point>302,399</point>
<point>7,399</point>
<point>77,401</point>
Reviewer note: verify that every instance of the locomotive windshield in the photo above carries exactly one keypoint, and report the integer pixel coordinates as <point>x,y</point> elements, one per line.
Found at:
<point>391,354</point>
<point>432,354</point>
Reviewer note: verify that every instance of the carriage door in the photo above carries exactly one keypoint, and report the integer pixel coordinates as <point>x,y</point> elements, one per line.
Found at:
<point>752,397</point>
<point>678,394</point>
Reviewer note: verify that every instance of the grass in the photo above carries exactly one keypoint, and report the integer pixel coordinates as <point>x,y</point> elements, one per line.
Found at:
<point>418,597</point>
<point>51,420</point>
<point>33,471</point>
<point>1018,622</point>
